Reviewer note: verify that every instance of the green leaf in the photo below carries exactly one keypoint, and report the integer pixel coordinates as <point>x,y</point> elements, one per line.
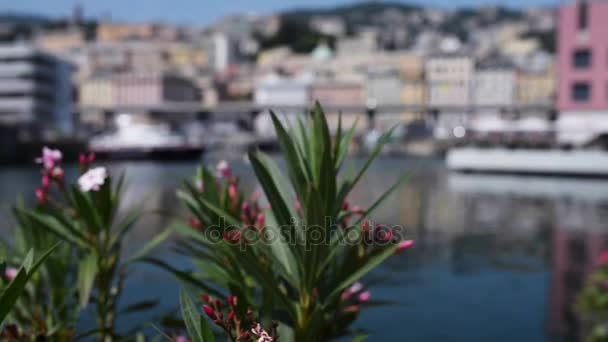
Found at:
<point>13,291</point>
<point>295,164</point>
<point>87,270</point>
<point>148,247</point>
<point>277,194</point>
<point>196,325</point>
<point>281,250</point>
<point>52,224</point>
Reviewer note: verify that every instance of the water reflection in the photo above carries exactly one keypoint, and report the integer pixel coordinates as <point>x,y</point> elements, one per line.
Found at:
<point>497,257</point>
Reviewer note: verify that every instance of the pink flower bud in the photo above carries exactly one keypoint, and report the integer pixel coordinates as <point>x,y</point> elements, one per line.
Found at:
<point>255,196</point>
<point>41,196</point>
<point>261,220</point>
<point>233,300</point>
<point>232,192</point>
<point>357,210</point>
<point>231,316</point>
<point>364,296</point>
<point>91,158</point>
<point>365,226</point>
<point>403,245</point>
<point>205,298</point>
<point>10,273</point>
<point>195,223</point>
<point>46,182</point>
<point>245,209</point>
<point>345,206</point>
<point>210,313</point>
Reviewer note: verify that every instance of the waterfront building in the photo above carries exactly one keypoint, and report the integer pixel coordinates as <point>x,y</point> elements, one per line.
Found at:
<point>494,83</point>
<point>449,78</point>
<point>96,92</point>
<point>341,97</point>
<point>582,97</point>
<point>277,90</point>
<point>536,87</point>
<point>150,89</point>
<point>35,91</point>
<point>136,89</point>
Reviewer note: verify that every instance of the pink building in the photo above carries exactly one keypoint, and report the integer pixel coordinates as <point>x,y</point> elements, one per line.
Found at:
<point>583,57</point>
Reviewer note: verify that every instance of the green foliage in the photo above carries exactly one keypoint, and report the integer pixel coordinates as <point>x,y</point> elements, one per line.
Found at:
<point>11,293</point>
<point>88,268</point>
<point>295,262</point>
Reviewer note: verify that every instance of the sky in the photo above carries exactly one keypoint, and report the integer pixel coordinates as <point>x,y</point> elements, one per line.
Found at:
<point>205,12</point>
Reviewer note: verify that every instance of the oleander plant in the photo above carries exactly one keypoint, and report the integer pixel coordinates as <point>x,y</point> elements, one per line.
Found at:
<point>87,270</point>
<point>290,259</point>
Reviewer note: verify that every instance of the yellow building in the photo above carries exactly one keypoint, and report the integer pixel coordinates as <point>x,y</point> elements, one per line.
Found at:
<point>109,32</point>
<point>96,92</point>
<point>536,88</point>
<point>182,55</point>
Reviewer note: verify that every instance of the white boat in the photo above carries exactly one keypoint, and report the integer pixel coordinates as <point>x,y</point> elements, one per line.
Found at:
<point>576,162</point>
<point>142,140</point>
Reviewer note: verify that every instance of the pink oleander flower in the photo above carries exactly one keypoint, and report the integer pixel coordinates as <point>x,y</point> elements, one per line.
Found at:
<point>262,335</point>
<point>355,288</point>
<point>10,273</point>
<point>223,170</point>
<point>364,296</point>
<point>403,245</point>
<point>41,195</point>
<point>50,158</point>
<point>181,339</point>
<point>93,179</point>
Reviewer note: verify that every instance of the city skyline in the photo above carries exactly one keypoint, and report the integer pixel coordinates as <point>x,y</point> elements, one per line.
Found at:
<point>191,12</point>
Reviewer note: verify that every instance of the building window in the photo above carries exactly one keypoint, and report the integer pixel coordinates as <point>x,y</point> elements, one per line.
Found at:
<point>581,92</point>
<point>582,59</point>
<point>583,15</point>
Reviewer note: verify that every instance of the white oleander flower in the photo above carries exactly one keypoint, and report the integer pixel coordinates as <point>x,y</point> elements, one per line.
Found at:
<point>93,179</point>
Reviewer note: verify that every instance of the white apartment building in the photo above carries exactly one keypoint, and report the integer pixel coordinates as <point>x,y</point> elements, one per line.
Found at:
<point>35,90</point>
